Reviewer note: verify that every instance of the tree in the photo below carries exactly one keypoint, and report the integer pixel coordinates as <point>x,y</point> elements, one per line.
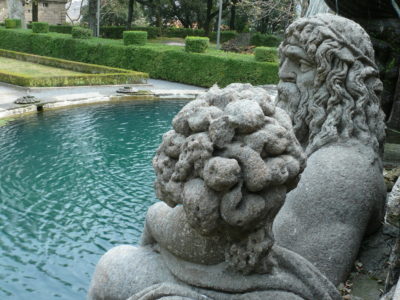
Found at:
<point>92,15</point>
<point>211,14</point>
<point>35,10</point>
<point>77,19</point>
<point>269,15</point>
<point>131,5</point>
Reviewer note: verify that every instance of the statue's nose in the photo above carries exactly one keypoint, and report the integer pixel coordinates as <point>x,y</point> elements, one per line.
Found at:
<point>286,71</point>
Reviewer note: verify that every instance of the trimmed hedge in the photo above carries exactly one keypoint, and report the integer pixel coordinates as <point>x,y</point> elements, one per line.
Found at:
<point>226,35</point>
<point>266,40</point>
<point>81,33</point>
<point>135,37</point>
<point>181,32</point>
<point>40,27</point>
<point>116,32</point>
<point>67,29</point>
<point>12,23</point>
<point>196,44</point>
<point>161,63</point>
<point>268,54</point>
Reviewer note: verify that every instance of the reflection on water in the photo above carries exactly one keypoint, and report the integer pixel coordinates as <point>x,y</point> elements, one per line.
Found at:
<point>73,184</point>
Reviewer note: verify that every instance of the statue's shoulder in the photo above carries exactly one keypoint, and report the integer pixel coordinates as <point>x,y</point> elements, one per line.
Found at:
<point>345,155</point>
<point>346,164</point>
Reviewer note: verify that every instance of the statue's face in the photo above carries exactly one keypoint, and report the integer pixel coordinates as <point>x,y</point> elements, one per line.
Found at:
<point>296,86</point>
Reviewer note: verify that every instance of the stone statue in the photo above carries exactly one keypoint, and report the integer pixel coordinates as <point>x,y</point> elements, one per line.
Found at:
<point>223,173</point>
<point>225,169</point>
<point>330,88</point>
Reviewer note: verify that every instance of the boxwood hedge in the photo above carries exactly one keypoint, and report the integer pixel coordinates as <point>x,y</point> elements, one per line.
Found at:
<point>168,63</point>
<point>81,33</point>
<point>196,44</point>
<point>135,37</point>
<point>12,23</point>
<point>40,27</point>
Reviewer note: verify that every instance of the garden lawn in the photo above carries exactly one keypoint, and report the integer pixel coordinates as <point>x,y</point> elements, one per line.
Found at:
<point>32,69</point>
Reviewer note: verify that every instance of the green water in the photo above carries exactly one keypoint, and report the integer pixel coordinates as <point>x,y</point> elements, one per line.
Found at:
<point>73,184</point>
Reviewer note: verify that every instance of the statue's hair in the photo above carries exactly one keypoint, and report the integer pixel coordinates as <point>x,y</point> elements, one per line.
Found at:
<point>346,100</point>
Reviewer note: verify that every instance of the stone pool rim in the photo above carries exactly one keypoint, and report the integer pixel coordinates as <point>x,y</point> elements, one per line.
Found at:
<point>65,99</point>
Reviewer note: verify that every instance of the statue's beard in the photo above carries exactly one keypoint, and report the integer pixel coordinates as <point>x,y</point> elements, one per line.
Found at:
<point>295,102</point>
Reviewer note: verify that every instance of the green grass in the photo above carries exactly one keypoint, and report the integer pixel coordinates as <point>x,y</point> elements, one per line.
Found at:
<point>32,69</point>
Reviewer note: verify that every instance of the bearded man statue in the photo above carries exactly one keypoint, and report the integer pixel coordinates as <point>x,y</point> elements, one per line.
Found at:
<point>232,160</point>
<point>329,85</point>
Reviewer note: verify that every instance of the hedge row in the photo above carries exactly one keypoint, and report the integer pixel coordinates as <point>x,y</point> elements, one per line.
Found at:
<point>116,32</point>
<point>81,33</point>
<point>173,65</point>
<point>40,27</point>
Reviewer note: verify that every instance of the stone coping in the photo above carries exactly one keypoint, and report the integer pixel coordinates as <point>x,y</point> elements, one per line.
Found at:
<point>60,97</point>
<point>91,97</point>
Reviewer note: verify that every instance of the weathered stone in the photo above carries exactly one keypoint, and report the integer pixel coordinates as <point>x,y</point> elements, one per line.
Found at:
<point>221,173</point>
<point>27,100</point>
<point>219,243</point>
<point>246,115</point>
<point>220,239</point>
<point>393,205</point>
<point>325,89</point>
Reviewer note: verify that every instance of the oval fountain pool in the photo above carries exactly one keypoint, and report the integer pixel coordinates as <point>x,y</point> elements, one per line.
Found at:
<point>73,184</point>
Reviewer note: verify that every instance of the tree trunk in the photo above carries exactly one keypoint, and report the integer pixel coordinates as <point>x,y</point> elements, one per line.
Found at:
<point>232,20</point>
<point>207,23</point>
<point>130,14</point>
<point>35,11</point>
<point>92,16</point>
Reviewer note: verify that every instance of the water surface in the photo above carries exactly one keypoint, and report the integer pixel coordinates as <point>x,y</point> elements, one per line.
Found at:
<point>73,184</point>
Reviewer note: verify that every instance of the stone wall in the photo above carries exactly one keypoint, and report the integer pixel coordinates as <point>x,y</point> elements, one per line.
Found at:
<point>53,12</point>
<point>3,10</point>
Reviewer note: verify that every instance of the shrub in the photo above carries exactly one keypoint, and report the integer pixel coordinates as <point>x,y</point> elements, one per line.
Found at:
<point>266,40</point>
<point>12,23</point>
<point>135,37</point>
<point>267,54</point>
<point>67,29</point>
<point>225,36</point>
<point>40,27</point>
<point>116,32</point>
<point>81,33</point>
<point>196,44</point>
<point>182,32</point>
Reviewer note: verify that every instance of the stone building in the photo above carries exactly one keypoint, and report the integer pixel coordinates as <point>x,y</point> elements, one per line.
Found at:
<point>51,11</point>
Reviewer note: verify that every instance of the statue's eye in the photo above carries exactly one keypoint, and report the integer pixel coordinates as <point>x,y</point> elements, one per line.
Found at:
<point>305,66</point>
